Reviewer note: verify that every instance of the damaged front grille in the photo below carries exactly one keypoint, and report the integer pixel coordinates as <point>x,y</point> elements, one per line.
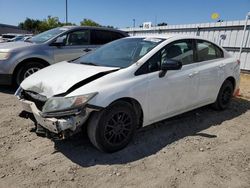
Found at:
<point>38,99</point>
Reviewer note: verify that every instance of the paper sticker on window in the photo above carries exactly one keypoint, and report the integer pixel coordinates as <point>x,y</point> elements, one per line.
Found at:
<point>153,40</point>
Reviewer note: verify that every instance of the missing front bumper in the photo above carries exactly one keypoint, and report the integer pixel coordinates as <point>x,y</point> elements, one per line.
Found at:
<point>56,125</point>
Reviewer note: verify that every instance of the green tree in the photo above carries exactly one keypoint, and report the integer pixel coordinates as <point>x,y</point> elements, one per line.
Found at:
<point>49,23</point>
<point>30,25</point>
<point>110,26</point>
<point>37,26</point>
<point>68,24</point>
<point>89,22</point>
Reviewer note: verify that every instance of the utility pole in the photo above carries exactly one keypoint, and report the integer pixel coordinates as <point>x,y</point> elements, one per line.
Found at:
<point>243,36</point>
<point>66,11</point>
<point>133,27</point>
<point>155,23</point>
<point>133,23</point>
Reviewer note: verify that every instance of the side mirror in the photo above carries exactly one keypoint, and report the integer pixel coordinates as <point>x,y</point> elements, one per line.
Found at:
<point>59,42</point>
<point>169,64</point>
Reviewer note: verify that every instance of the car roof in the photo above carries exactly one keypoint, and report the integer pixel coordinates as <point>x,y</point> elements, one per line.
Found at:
<point>174,36</point>
<point>13,34</point>
<point>96,28</point>
<point>153,36</point>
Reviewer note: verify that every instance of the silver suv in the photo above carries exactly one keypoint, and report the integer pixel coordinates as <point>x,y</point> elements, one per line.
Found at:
<point>18,60</point>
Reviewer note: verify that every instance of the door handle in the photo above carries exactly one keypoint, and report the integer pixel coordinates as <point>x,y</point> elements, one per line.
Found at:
<point>222,65</point>
<point>193,74</point>
<point>196,72</point>
<point>87,50</point>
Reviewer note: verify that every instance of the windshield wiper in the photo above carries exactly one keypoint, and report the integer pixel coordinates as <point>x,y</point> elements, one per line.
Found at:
<point>74,59</point>
<point>29,41</point>
<point>88,63</point>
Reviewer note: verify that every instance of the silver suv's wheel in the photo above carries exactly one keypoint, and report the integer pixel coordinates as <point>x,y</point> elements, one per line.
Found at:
<point>28,69</point>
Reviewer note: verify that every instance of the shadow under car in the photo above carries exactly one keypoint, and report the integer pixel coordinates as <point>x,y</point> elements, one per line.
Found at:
<point>151,139</point>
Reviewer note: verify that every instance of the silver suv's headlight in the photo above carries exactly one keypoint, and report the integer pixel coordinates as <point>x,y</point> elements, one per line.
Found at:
<point>61,106</point>
<point>4,55</point>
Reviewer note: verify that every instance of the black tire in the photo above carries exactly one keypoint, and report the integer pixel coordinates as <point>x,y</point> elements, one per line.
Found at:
<point>28,69</point>
<point>112,129</point>
<point>224,97</point>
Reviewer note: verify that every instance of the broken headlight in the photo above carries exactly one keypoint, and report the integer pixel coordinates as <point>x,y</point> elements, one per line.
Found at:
<point>62,106</point>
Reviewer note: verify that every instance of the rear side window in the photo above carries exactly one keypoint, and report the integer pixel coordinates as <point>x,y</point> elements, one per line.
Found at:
<point>207,51</point>
<point>99,37</point>
<point>115,36</point>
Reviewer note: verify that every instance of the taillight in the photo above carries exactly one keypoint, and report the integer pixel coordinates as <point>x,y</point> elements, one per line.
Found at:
<point>238,62</point>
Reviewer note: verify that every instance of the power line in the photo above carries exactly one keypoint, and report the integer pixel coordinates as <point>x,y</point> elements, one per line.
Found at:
<point>66,11</point>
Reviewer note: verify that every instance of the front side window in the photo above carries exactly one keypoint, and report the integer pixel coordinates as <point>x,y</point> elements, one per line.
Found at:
<point>181,50</point>
<point>47,35</point>
<point>120,53</point>
<point>207,51</point>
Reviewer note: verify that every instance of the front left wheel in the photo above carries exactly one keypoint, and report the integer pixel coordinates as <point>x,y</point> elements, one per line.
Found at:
<point>112,128</point>
<point>27,70</point>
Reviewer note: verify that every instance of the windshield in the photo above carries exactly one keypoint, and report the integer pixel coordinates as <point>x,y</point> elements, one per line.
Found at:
<point>47,35</point>
<point>16,38</point>
<point>120,53</point>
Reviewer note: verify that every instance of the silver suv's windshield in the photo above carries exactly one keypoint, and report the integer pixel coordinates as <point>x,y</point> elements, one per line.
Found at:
<point>47,35</point>
<point>120,53</point>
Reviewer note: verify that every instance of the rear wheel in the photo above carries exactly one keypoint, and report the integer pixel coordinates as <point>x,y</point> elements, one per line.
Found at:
<point>27,70</point>
<point>112,129</point>
<point>225,96</point>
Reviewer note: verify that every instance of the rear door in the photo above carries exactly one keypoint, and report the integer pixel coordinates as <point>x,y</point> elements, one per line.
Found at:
<point>210,64</point>
<point>100,37</point>
<point>76,44</point>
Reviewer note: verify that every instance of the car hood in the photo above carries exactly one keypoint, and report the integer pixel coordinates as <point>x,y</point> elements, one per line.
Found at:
<point>10,46</point>
<point>62,78</point>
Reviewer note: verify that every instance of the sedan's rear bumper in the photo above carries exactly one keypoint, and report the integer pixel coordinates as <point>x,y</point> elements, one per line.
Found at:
<point>5,79</point>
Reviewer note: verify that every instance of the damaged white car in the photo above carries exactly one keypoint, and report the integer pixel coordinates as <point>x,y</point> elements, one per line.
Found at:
<point>127,84</point>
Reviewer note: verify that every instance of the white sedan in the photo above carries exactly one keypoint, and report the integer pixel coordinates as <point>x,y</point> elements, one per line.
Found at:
<point>127,84</point>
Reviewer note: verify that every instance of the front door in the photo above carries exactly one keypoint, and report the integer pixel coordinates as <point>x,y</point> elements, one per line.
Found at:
<point>76,44</point>
<point>177,90</point>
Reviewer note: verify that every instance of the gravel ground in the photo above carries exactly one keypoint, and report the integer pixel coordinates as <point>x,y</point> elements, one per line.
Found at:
<point>201,148</point>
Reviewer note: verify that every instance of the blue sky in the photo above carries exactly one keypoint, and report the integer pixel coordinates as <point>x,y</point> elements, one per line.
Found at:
<point>121,13</point>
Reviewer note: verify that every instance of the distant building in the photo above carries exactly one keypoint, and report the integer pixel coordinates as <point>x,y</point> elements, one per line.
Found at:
<point>4,28</point>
